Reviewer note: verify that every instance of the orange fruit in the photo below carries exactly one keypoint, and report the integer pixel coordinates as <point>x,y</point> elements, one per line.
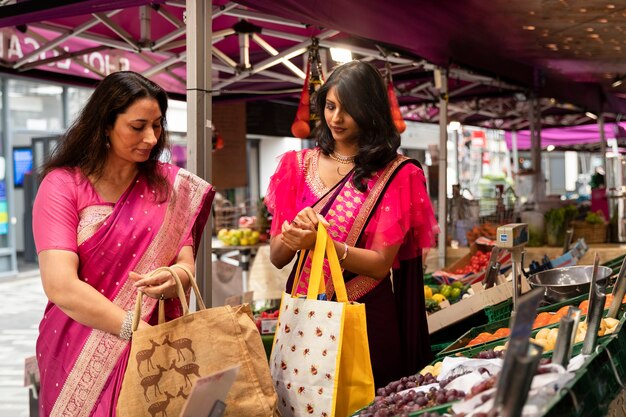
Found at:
<point>562,311</point>
<point>584,306</point>
<point>503,332</point>
<point>476,341</point>
<point>481,338</point>
<point>541,320</point>
<point>554,319</point>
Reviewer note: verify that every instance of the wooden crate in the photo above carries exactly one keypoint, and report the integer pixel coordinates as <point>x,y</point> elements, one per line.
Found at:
<point>592,233</point>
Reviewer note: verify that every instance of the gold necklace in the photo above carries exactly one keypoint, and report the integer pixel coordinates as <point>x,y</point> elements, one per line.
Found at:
<point>342,159</point>
<point>339,172</point>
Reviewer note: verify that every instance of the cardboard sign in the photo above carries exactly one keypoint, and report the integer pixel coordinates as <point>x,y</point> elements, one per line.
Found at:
<point>208,395</point>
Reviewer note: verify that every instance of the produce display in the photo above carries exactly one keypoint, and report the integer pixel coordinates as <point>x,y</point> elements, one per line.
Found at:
<point>542,319</point>
<point>238,237</point>
<point>477,263</point>
<point>452,293</point>
<point>487,230</point>
<point>403,403</point>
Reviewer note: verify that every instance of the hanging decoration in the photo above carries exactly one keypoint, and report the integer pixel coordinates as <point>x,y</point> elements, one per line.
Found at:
<point>306,116</point>
<point>300,126</point>
<point>396,115</point>
<point>216,140</point>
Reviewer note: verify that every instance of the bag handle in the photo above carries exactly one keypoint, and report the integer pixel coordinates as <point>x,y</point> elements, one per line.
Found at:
<point>324,245</point>
<point>296,282</point>
<point>180,291</point>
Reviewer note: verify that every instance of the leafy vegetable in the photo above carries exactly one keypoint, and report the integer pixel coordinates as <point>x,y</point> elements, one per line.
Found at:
<point>557,221</point>
<point>594,218</point>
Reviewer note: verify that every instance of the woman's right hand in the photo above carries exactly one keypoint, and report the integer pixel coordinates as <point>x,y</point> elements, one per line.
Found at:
<point>301,233</point>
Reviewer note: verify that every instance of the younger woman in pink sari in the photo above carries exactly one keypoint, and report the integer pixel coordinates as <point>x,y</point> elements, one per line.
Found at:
<point>375,205</point>
<point>107,214</point>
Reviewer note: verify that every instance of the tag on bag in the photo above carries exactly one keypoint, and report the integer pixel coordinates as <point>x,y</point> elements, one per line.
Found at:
<point>209,393</point>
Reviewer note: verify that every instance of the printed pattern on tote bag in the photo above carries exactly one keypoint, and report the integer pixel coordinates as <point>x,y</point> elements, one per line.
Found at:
<point>305,356</point>
<point>158,400</point>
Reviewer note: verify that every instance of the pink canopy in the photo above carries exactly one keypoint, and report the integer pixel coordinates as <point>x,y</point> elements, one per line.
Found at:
<point>571,136</point>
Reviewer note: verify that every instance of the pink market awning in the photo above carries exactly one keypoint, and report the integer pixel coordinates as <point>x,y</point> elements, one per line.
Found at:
<point>572,136</point>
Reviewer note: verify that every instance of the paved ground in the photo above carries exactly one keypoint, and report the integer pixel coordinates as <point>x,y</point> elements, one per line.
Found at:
<point>21,308</point>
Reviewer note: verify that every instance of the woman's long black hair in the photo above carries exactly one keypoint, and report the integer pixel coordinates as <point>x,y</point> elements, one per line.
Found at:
<point>84,144</point>
<point>361,90</point>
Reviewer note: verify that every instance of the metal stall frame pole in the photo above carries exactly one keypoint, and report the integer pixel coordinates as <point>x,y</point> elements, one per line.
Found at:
<point>199,127</point>
<point>603,145</point>
<point>535,152</point>
<point>515,167</point>
<point>441,80</point>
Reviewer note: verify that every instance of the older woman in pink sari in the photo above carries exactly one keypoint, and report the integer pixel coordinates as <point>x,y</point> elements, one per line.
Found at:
<point>106,215</point>
<point>374,204</point>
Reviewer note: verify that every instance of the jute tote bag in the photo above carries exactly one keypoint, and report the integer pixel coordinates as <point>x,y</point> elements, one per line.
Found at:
<point>320,359</point>
<point>166,359</point>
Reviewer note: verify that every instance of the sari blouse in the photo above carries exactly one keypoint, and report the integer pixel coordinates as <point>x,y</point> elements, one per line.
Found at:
<point>404,215</point>
<point>72,208</point>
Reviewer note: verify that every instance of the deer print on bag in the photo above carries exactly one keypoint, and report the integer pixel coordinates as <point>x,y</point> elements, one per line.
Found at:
<point>161,406</point>
<point>146,355</point>
<point>186,370</point>
<point>152,380</point>
<point>182,394</point>
<point>179,345</point>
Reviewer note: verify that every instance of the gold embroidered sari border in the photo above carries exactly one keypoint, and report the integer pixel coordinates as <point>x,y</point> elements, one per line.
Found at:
<point>362,284</point>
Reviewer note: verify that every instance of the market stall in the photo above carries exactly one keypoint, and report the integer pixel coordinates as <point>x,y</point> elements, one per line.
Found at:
<point>568,356</point>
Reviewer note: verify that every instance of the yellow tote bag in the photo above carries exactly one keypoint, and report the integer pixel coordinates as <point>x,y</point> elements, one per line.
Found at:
<point>340,381</point>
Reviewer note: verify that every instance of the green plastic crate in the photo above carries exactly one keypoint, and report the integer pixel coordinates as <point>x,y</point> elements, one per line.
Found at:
<point>459,347</point>
<point>595,385</point>
<point>499,311</point>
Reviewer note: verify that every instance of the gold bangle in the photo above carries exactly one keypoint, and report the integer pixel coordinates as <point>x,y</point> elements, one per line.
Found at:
<point>345,253</point>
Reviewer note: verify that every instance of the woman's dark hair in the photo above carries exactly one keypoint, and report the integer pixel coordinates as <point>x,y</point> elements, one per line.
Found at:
<point>362,92</point>
<point>84,144</point>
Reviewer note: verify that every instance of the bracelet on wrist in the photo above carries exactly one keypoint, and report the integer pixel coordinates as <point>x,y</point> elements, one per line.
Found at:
<point>126,331</point>
<point>345,253</point>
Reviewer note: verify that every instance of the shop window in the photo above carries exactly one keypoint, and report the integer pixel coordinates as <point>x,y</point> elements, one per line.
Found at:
<point>35,106</point>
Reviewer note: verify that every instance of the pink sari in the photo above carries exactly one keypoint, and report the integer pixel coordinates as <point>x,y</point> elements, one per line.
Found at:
<point>81,368</point>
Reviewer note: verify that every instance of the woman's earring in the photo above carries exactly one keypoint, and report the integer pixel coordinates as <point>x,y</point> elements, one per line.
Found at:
<point>108,142</point>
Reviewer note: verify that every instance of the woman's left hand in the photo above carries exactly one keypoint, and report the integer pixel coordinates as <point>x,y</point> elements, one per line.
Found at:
<point>159,285</point>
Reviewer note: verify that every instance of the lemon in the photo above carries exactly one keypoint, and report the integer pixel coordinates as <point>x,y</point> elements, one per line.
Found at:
<point>428,292</point>
<point>439,298</point>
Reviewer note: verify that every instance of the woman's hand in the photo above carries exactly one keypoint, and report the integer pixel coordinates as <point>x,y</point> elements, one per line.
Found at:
<point>301,233</point>
<point>160,285</point>
<point>163,283</point>
<point>307,219</point>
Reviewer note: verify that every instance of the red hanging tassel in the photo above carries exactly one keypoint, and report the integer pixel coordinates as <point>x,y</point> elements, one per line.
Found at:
<point>217,140</point>
<point>396,115</point>
<point>300,126</point>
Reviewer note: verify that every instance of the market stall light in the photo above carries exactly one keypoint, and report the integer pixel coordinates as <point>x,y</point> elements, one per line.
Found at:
<point>550,148</point>
<point>454,125</point>
<point>591,115</point>
<point>340,55</point>
<point>617,82</point>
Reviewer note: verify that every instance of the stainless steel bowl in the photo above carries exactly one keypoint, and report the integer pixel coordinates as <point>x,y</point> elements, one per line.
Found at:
<point>562,283</point>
